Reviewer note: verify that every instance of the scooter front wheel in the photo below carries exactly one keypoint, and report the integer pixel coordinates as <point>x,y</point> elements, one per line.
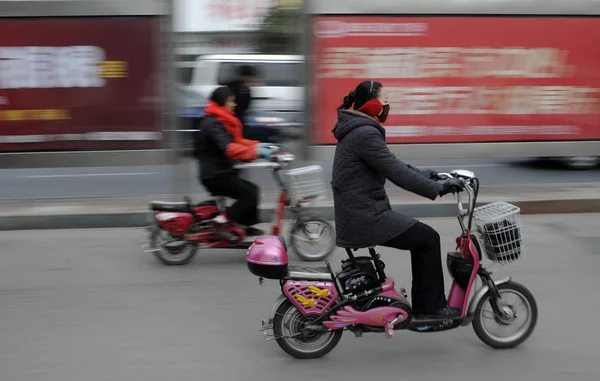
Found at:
<point>288,325</point>
<point>524,307</point>
<point>310,233</point>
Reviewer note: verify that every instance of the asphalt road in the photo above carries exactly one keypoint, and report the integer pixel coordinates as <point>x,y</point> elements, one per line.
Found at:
<point>88,305</point>
<point>182,179</point>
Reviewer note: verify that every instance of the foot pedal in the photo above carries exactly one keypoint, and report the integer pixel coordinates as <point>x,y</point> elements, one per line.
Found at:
<point>389,330</point>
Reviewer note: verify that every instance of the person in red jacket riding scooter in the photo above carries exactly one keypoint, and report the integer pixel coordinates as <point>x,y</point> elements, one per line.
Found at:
<point>219,144</point>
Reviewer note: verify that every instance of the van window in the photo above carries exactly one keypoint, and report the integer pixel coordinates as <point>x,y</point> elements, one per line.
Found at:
<point>286,74</point>
<point>184,75</point>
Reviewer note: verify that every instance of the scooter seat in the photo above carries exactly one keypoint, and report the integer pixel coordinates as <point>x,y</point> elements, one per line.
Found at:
<point>161,206</point>
<point>309,273</point>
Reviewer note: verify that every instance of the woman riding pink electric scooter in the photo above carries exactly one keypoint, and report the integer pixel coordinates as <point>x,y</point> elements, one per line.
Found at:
<point>317,305</point>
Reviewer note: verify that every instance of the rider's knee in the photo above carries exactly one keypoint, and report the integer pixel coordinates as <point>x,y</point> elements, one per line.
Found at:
<point>433,237</point>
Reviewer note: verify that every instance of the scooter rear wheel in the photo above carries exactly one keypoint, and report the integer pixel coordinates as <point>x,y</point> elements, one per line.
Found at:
<point>288,321</point>
<point>483,311</point>
<point>180,255</point>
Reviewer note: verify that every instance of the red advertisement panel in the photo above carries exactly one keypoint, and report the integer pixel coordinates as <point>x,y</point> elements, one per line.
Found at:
<point>79,84</point>
<point>464,79</point>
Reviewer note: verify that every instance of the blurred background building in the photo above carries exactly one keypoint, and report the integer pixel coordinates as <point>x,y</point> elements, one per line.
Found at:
<point>204,27</point>
<point>539,100</point>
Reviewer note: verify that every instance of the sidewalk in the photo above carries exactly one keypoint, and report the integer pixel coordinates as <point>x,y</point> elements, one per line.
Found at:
<point>133,211</point>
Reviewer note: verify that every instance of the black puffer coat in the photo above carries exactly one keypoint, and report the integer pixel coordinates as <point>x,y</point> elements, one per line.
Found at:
<point>362,163</point>
<point>210,143</point>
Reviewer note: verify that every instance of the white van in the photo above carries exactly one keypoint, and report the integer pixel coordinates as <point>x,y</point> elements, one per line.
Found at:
<point>282,76</point>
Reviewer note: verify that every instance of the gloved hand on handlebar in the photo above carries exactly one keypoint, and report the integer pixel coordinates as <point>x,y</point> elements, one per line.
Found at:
<point>451,186</point>
<point>264,153</point>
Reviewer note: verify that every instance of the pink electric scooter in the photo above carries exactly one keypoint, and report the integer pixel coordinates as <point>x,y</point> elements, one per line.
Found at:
<point>317,305</point>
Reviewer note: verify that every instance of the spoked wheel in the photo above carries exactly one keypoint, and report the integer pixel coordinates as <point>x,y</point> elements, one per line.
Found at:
<point>506,331</point>
<point>171,251</point>
<point>313,239</point>
<point>288,325</point>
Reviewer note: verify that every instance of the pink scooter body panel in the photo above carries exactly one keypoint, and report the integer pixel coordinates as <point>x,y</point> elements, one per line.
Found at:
<point>458,297</point>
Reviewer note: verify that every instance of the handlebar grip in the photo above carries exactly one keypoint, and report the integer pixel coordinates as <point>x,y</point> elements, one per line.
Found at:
<point>443,176</point>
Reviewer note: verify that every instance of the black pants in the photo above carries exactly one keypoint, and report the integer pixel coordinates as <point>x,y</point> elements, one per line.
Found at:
<point>426,261</point>
<point>245,210</point>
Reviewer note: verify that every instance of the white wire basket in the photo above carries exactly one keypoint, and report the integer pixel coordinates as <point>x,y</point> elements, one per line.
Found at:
<point>498,228</point>
<point>305,184</point>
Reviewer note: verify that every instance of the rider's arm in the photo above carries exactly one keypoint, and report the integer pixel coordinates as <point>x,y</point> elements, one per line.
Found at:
<point>375,152</point>
<point>415,169</point>
<point>233,151</point>
<point>248,142</point>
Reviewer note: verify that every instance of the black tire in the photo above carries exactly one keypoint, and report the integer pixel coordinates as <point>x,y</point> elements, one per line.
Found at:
<point>299,225</point>
<point>287,309</point>
<point>183,257</point>
<point>480,330</point>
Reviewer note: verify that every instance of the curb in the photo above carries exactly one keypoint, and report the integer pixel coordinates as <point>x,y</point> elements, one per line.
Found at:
<point>142,218</point>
